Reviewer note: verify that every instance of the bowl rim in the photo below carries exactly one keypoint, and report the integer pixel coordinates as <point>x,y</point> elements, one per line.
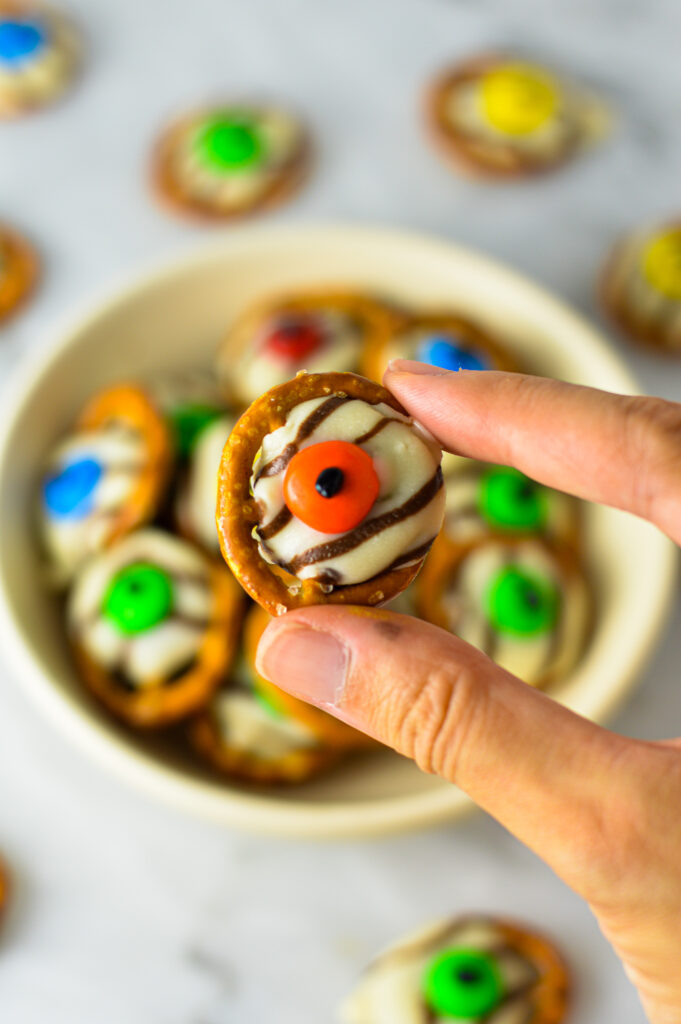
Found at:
<point>255,812</point>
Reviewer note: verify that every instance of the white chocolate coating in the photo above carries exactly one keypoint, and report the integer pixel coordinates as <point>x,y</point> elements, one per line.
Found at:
<point>258,370</point>
<point>390,991</point>
<point>44,74</point>
<point>148,657</point>
<point>248,727</point>
<point>69,540</point>
<point>197,499</point>
<point>531,658</point>
<point>406,461</point>
<point>238,188</point>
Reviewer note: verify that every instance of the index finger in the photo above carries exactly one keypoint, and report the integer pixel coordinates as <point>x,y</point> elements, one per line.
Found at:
<point>619,450</point>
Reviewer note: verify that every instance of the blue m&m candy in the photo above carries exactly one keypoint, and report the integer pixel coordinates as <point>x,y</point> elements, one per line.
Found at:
<point>67,494</point>
<point>443,351</point>
<point>19,40</point>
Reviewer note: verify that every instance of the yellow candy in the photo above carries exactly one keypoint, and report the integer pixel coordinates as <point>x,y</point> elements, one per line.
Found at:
<point>518,98</point>
<point>662,263</point>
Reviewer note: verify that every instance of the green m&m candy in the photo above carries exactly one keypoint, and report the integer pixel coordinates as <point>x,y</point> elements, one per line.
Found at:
<point>463,984</point>
<point>139,597</point>
<point>188,421</point>
<point>229,143</point>
<point>509,500</point>
<point>522,602</point>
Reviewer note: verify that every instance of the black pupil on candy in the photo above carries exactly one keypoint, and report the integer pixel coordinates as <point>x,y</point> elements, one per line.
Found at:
<point>468,975</point>
<point>329,482</point>
<point>531,598</point>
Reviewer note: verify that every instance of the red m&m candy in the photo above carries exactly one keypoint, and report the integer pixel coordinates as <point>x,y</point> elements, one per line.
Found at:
<point>331,486</point>
<point>294,337</point>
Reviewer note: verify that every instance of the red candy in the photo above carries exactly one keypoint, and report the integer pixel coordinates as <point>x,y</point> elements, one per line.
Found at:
<point>294,337</point>
<point>331,486</point>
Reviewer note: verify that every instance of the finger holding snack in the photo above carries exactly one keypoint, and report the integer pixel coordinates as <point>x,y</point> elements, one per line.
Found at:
<point>329,493</point>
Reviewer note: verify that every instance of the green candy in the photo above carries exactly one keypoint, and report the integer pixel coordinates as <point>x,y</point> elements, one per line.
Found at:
<point>188,422</point>
<point>139,597</point>
<point>522,603</point>
<point>463,984</point>
<point>509,500</point>
<point>228,143</point>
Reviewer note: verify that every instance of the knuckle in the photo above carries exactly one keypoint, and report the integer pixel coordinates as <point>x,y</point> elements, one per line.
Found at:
<point>439,720</point>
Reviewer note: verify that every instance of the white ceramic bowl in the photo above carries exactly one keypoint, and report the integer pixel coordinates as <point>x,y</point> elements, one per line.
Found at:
<point>175,317</point>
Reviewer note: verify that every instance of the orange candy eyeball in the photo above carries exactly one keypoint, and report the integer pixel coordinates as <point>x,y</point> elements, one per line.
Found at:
<point>331,486</point>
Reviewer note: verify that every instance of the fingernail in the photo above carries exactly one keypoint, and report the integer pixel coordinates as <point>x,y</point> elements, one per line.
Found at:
<point>307,663</point>
<point>420,369</point>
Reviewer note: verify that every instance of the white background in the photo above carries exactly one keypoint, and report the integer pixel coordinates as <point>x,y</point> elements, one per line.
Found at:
<point>126,911</point>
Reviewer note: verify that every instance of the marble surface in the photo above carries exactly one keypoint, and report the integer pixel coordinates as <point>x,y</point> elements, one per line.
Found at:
<point>126,911</point>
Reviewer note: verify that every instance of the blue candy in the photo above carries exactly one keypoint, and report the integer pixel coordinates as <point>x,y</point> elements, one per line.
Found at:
<point>67,493</point>
<point>19,40</point>
<point>443,351</point>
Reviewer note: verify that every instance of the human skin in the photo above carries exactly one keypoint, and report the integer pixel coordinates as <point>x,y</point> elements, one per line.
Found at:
<point>602,810</point>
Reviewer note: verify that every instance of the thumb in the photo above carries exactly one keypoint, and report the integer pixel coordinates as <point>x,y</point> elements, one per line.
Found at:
<point>542,771</point>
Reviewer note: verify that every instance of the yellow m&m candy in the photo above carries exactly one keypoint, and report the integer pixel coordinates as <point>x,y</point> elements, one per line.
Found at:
<point>517,99</point>
<point>661,263</point>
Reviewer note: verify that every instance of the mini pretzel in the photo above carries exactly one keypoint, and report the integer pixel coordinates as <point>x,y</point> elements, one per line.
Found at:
<point>18,271</point>
<point>469,335</point>
<point>566,632</point>
<point>238,514</point>
<point>291,768</point>
<point>4,888</point>
<point>39,58</point>
<point>161,701</point>
<point>177,187</point>
<point>495,155</point>
<point>640,287</point>
<point>243,343</point>
<point>475,967</point>
<point>129,405</point>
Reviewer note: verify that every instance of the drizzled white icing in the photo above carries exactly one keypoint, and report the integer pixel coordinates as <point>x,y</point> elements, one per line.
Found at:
<point>122,455</point>
<point>391,990</point>
<point>258,370</point>
<point>282,136</point>
<point>197,501</point>
<point>148,657</point>
<point>405,460</point>
<point>531,658</point>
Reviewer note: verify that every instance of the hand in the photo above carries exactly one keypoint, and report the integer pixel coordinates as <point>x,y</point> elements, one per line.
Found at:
<point>602,810</point>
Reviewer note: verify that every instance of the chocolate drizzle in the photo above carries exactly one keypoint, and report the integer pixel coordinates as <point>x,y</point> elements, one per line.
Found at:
<point>307,427</point>
<point>376,429</point>
<point>368,528</point>
<point>282,519</point>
